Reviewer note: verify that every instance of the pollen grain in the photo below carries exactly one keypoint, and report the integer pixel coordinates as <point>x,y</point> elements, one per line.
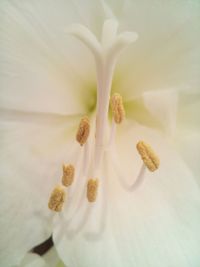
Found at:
<point>83,131</point>
<point>117,107</point>
<point>92,188</point>
<point>57,199</point>
<point>68,174</point>
<point>148,156</point>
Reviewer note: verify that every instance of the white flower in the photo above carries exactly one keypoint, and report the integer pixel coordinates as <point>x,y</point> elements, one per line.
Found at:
<point>48,83</point>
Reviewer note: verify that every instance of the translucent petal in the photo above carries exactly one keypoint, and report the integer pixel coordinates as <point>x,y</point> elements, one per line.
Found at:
<point>40,67</point>
<point>158,221</point>
<point>114,9</point>
<point>163,106</point>
<point>167,53</point>
<point>33,149</point>
<point>187,139</point>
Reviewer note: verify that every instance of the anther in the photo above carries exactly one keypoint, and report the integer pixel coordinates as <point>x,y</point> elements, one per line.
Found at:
<point>117,108</point>
<point>57,198</point>
<point>92,188</point>
<point>83,131</point>
<point>68,174</point>
<point>149,157</point>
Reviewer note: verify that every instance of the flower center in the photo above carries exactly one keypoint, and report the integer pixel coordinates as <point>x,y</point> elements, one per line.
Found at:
<point>105,54</point>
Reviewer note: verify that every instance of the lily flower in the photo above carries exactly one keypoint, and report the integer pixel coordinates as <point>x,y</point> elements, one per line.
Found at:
<point>96,145</point>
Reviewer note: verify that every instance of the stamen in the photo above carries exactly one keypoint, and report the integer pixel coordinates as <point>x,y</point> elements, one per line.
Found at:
<point>117,108</point>
<point>112,134</point>
<point>68,175</point>
<point>149,157</point>
<point>83,131</point>
<point>92,188</point>
<point>57,198</point>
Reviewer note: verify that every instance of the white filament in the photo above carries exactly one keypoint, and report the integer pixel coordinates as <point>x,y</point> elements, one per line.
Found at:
<point>136,182</point>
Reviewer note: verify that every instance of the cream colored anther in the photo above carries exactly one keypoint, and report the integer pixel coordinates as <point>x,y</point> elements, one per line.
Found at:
<point>83,131</point>
<point>117,107</point>
<point>92,188</point>
<point>68,174</point>
<point>149,157</point>
<point>57,198</point>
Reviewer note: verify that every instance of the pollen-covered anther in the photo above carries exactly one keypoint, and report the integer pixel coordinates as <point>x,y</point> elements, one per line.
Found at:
<point>57,198</point>
<point>83,131</point>
<point>68,174</point>
<point>92,189</point>
<point>117,107</point>
<point>149,157</point>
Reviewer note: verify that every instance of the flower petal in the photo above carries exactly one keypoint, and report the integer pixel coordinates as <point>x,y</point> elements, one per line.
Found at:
<point>163,106</point>
<point>187,137</point>
<point>40,67</point>
<point>158,221</point>
<point>33,149</point>
<point>166,54</point>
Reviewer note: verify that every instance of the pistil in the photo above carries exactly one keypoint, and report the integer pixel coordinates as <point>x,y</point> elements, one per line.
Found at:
<point>105,54</point>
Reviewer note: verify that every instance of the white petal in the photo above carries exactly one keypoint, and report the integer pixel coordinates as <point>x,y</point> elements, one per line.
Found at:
<point>167,53</point>
<point>163,106</point>
<point>187,139</point>
<point>112,8</point>
<point>157,225</point>
<point>40,67</point>
<point>109,32</point>
<point>33,149</point>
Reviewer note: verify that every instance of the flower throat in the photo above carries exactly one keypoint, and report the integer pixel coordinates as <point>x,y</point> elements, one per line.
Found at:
<point>106,53</point>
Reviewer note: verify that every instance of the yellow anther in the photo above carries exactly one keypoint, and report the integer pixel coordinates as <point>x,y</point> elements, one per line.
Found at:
<point>92,188</point>
<point>149,157</point>
<point>117,108</point>
<point>68,175</point>
<point>83,131</point>
<point>57,198</point>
